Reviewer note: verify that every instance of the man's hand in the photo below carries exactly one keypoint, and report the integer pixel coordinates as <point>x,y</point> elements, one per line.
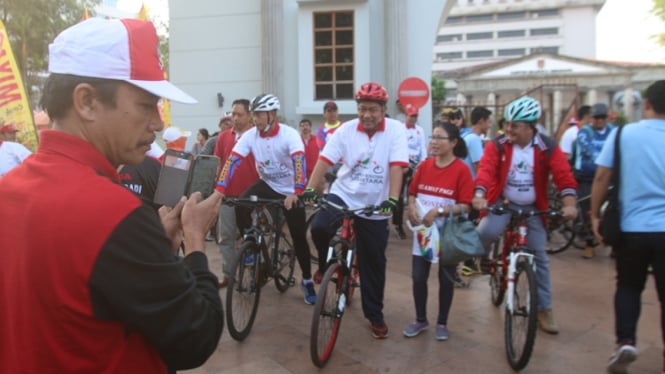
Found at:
<point>387,206</point>
<point>291,201</point>
<point>479,203</point>
<point>595,228</point>
<point>197,217</point>
<point>569,212</point>
<point>309,196</point>
<point>170,218</point>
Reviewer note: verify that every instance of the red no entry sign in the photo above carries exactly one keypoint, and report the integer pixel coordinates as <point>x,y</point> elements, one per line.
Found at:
<point>414,91</point>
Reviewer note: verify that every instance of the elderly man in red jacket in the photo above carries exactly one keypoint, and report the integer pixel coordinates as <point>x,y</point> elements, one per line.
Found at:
<point>516,167</point>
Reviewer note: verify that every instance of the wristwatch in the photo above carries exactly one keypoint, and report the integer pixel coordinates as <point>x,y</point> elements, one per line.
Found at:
<point>440,211</point>
<point>480,194</point>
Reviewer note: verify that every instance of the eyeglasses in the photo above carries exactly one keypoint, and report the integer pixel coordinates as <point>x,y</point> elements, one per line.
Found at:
<point>438,138</point>
<point>372,110</point>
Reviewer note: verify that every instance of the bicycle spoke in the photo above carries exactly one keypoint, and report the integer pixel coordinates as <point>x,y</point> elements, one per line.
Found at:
<point>520,324</point>
<point>327,316</point>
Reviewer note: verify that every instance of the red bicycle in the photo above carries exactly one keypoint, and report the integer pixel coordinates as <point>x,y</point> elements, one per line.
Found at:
<point>338,284</point>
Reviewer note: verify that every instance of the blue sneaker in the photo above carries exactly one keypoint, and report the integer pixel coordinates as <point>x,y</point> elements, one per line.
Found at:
<point>249,260</point>
<point>310,294</point>
<point>441,332</point>
<point>415,329</point>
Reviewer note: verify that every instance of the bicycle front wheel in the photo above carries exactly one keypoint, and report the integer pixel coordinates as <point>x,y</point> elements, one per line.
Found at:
<point>243,291</point>
<point>497,275</point>
<point>560,235</point>
<point>520,324</point>
<point>283,260</point>
<point>328,312</point>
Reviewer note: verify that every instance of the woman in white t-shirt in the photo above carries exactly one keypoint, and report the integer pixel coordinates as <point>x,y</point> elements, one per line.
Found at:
<point>441,183</point>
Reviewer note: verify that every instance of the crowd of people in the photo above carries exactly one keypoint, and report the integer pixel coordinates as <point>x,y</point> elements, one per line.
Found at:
<point>122,299</point>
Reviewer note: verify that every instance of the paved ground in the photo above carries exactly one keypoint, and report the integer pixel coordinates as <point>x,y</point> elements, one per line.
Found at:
<point>583,294</point>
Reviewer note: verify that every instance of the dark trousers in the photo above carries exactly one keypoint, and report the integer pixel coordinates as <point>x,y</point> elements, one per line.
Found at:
<point>584,190</point>
<point>420,273</point>
<point>634,254</point>
<point>295,219</point>
<point>398,213</point>
<point>371,243</point>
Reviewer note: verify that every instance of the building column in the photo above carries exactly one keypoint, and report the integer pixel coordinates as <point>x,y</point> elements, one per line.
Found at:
<point>396,64</point>
<point>556,112</point>
<point>591,97</point>
<point>628,103</point>
<point>272,19</point>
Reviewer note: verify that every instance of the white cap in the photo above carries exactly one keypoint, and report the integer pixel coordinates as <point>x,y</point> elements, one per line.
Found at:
<point>155,151</point>
<point>172,134</point>
<point>121,49</point>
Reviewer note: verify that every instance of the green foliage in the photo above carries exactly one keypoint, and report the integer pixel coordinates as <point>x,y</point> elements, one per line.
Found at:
<point>32,24</point>
<point>438,89</point>
<point>658,10</point>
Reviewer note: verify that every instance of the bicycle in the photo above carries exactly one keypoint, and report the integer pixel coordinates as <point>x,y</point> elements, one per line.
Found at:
<point>337,287</point>
<point>512,271</point>
<point>562,234</point>
<point>265,253</point>
<point>330,177</point>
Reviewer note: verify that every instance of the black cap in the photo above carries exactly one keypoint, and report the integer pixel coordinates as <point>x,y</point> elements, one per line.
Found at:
<point>599,109</point>
<point>329,105</point>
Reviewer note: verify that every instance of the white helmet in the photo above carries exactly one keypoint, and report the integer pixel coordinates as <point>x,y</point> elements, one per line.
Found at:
<point>264,103</point>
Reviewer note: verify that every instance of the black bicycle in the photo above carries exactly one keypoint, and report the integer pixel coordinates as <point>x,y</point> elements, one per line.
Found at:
<point>265,253</point>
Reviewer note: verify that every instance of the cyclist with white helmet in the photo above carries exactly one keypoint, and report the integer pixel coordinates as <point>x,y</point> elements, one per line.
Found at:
<point>374,155</point>
<point>280,161</point>
<point>516,167</point>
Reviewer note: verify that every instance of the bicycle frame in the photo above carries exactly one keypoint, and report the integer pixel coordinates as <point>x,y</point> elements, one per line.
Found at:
<point>514,246</point>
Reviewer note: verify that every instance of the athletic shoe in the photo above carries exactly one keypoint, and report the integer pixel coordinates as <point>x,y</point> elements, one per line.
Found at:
<point>441,332</point>
<point>415,329</point>
<point>622,357</point>
<point>379,329</point>
<point>400,232</point>
<point>308,290</point>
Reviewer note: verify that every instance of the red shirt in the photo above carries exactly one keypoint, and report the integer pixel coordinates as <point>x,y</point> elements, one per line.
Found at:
<point>246,174</point>
<point>452,182</point>
<point>311,154</point>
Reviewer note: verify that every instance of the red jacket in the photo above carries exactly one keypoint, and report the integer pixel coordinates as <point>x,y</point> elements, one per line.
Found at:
<point>549,158</point>
<point>246,173</point>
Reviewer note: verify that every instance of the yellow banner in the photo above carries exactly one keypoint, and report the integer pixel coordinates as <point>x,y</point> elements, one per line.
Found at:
<point>14,107</point>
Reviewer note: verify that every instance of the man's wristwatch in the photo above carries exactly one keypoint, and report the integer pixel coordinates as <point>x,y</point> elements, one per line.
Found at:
<point>440,211</point>
<point>479,194</point>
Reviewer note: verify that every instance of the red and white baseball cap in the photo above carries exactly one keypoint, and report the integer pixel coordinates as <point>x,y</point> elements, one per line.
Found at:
<point>121,49</point>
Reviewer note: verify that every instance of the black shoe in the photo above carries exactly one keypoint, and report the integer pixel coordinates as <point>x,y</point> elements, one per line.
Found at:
<point>400,232</point>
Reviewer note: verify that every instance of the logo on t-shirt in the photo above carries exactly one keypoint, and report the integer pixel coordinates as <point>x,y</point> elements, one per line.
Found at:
<point>367,171</point>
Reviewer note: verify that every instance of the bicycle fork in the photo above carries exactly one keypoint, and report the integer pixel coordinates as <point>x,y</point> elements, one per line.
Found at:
<point>512,270</point>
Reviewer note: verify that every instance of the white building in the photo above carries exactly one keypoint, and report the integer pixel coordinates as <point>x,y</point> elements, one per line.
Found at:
<point>304,51</point>
<point>483,31</point>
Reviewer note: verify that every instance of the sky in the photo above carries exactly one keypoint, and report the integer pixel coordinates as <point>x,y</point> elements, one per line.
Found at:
<point>623,28</point>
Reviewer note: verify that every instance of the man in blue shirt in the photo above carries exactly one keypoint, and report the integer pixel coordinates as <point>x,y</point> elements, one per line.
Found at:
<point>589,142</point>
<point>642,208</point>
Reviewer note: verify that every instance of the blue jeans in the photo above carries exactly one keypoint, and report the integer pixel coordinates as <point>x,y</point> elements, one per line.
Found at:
<point>371,243</point>
<point>492,227</point>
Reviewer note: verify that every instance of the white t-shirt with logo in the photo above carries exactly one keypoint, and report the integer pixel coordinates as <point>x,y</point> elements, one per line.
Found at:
<point>519,187</point>
<point>12,155</point>
<point>416,143</point>
<point>364,177</point>
<point>273,156</point>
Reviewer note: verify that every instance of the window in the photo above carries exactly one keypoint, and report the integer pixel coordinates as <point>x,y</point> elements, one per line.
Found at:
<point>448,38</point>
<point>545,31</point>
<point>449,56</point>
<point>512,52</point>
<point>479,35</point>
<point>510,15</point>
<point>333,55</point>
<point>454,20</point>
<point>479,18</point>
<point>545,13</point>
<point>479,54</point>
<point>511,34</point>
<point>552,50</point>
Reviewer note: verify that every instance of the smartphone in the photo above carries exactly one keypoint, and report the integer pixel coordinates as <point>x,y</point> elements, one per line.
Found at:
<point>204,175</point>
<point>173,177</point>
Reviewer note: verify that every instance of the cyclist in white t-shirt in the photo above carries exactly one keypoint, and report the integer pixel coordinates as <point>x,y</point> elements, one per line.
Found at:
<point>374,156</point>
<point>280,161</point>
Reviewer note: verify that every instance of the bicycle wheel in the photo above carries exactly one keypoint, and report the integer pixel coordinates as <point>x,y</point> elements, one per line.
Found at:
<point>242,293</point>
<point>313,253</point>
<point>327,315</point>
<point>497,276</point>
<point>520,325</point>
<point>560,235</point>
<point>283,259</point>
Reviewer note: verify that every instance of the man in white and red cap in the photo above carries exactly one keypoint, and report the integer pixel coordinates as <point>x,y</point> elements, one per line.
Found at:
<point>12,154</point>
<point>97,287</point>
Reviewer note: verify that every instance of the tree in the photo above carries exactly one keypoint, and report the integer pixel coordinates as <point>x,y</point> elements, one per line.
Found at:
<point>32,25</point>
<point>438,93</point>
<point>659,10</point>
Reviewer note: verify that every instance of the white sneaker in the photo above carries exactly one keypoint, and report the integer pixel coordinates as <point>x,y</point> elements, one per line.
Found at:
<point>622,357</point>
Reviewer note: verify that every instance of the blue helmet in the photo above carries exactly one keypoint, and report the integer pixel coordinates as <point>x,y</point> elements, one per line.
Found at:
<point>524,109</point>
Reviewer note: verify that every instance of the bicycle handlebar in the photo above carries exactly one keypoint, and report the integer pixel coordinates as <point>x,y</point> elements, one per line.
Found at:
<point>366,210</point>
<point>503,208</point>
<point>252,200</point>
